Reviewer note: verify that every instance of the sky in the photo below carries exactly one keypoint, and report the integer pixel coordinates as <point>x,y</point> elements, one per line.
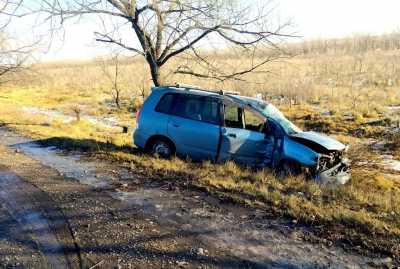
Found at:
<point>338,18</point>
<point>311,19</point>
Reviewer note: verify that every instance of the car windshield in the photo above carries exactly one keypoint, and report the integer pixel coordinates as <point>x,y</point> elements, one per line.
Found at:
<point>270,111</point>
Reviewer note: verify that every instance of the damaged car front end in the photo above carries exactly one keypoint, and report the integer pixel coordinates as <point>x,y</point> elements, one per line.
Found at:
<point>329,163</point>
<point>323,157</point>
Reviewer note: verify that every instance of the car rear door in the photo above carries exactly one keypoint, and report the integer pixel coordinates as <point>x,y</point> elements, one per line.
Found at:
<point>194,126</point>
<point>244,142</point>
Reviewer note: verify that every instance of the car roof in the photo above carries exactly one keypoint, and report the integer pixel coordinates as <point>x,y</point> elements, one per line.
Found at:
<point>230,96</point>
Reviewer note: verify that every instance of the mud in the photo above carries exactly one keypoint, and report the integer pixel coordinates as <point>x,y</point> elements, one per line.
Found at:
<point>381,157</point>
<point>266,243</point>
<point>28,212</point>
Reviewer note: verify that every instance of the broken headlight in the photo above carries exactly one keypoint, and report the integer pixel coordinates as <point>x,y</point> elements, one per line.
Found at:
<point>327,161</point>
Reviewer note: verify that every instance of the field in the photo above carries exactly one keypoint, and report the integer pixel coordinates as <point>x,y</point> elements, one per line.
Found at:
<point>352,94</point>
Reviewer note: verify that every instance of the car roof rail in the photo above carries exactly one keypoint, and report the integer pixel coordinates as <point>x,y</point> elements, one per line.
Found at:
<point>222,92</point>
<point>198,88</point>
<point>187,86</point>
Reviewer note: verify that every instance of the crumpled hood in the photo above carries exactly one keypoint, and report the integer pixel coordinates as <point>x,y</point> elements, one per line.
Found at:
<point>320,139</point>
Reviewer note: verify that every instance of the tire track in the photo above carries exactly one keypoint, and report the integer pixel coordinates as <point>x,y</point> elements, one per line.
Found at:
<point>34,212</point>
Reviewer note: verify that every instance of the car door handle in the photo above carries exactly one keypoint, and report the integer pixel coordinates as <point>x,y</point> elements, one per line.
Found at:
<point>176,125</point>
<point>232,135</point>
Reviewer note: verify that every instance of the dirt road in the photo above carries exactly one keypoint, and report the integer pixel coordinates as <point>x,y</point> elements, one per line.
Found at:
<point>64,211</point>
<point>30,221</point>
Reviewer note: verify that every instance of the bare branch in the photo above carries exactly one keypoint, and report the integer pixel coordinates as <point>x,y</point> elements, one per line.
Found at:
<point>107,39</point>
<point>13,54</point>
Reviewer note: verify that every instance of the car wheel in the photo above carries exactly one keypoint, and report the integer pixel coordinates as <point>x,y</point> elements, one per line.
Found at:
<point>162,148</point>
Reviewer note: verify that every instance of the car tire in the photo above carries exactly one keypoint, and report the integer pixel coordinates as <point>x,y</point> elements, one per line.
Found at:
<point>162,148</point>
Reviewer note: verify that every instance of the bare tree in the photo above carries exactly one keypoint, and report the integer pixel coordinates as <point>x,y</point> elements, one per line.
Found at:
<point>168,29</point>
<point>12,54</point>
<point>113,76</point>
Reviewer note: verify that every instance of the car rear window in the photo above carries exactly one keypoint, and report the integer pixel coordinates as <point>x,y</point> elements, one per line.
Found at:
<point>165,104</point>
<point>198,108</point>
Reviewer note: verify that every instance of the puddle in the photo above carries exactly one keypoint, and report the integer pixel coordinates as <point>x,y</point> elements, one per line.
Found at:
<point>22,210</point>
<point>378,145</point>
<point>390,163</point>
<point>67,165</point>
<point>109,122</point>
<point>385,158</point>
<point>393,108</point>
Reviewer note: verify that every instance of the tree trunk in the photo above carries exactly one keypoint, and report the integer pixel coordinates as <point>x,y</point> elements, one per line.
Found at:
<point>116,83</point>
<point>117,98</point>
<point>155,74</point>
<point>154,70</point>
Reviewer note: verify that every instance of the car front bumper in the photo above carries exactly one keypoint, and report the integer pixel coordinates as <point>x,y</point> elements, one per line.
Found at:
<point>339,174</point>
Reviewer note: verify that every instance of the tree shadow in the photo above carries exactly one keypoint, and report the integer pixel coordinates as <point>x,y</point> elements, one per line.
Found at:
<point>85,145</point>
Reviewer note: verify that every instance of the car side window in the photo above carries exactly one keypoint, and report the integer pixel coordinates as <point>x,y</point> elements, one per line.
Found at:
<point>165,104</point>
<point>233,116</point>
<point>253,122</point>
<point>211,112</point>
<point>198,108</point>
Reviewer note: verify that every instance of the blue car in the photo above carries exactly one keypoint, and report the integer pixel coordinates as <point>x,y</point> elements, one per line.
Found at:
<point>221,126</point>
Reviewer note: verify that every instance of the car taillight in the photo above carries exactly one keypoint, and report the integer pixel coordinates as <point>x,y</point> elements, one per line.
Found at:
<point>137,116</point>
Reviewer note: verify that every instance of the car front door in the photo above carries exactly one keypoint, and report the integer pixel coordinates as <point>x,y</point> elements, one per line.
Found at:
<point>244,138</point>
<point>194,126</point>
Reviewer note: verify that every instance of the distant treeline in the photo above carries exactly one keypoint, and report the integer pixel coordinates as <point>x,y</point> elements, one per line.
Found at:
<point>349,45</point>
